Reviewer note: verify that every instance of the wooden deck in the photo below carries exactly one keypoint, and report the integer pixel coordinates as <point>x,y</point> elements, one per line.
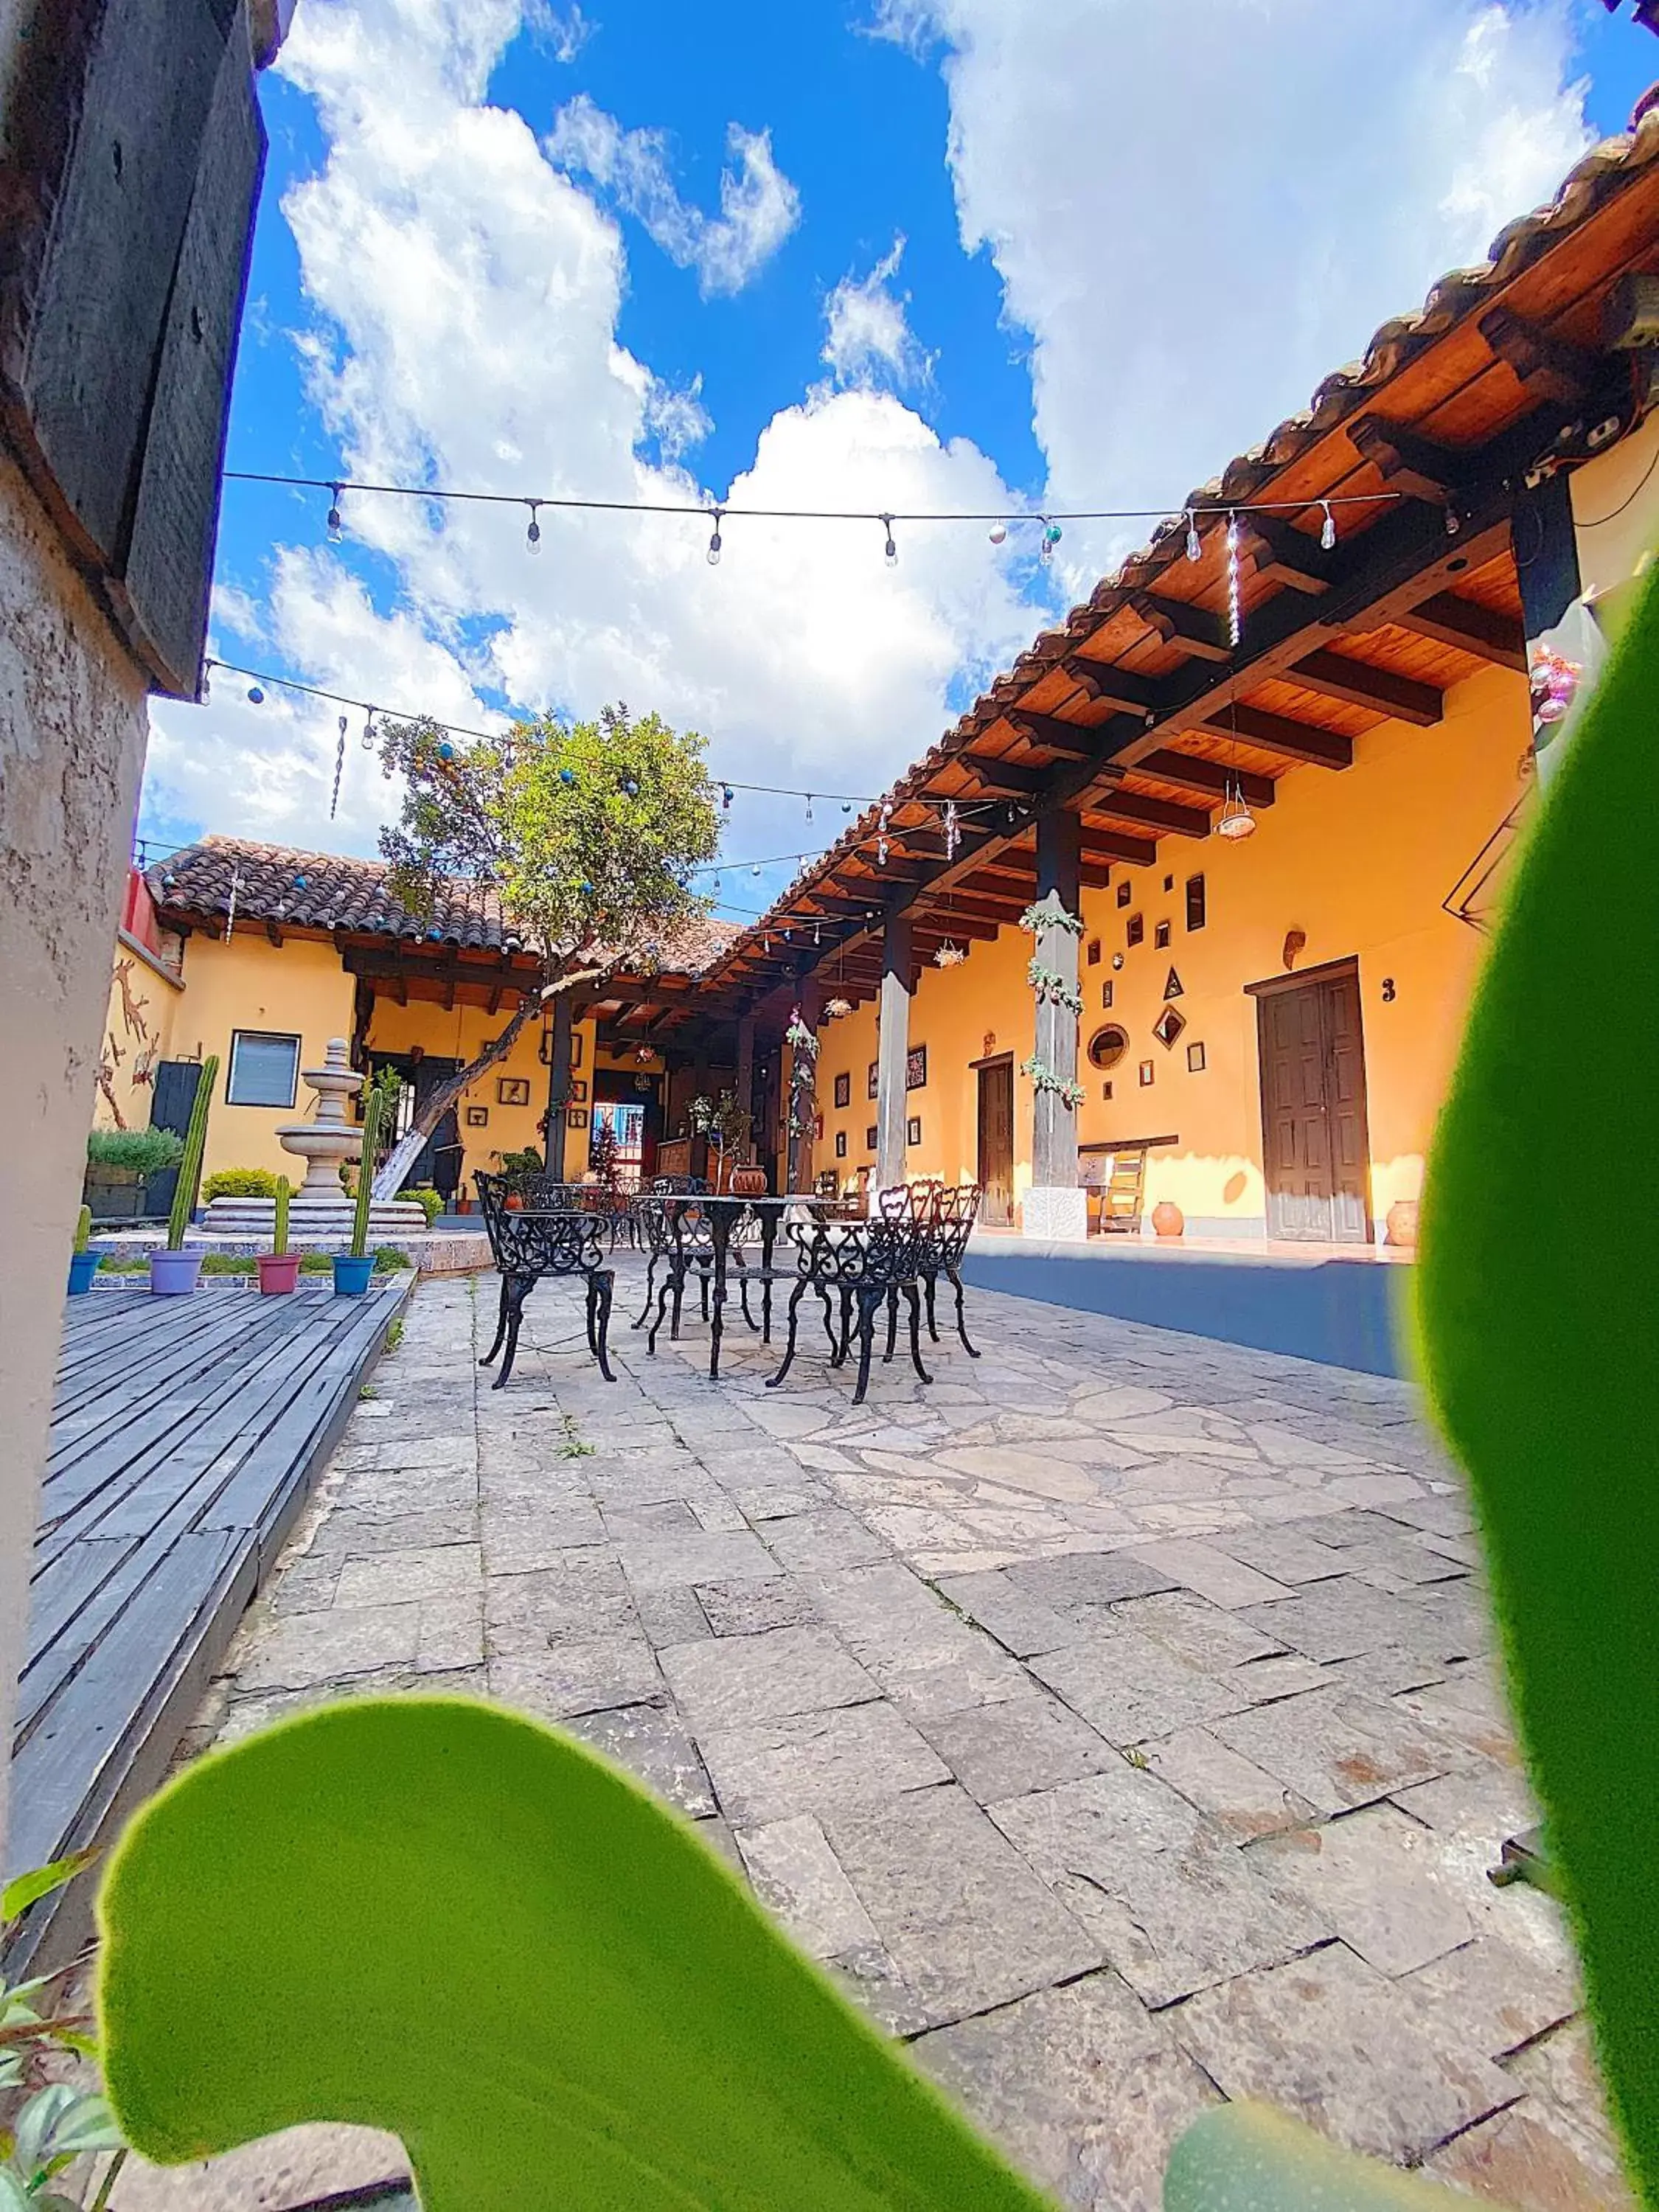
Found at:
<point>186,1436</point>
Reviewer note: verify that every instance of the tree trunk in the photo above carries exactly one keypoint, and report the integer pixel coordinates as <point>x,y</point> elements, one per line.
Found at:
<point>409,1148</point>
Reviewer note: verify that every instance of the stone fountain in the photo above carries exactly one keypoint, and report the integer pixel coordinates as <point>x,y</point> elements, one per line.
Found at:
<point>320,1212</point>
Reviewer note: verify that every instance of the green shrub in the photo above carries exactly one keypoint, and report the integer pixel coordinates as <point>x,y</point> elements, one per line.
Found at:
<point>316,1263</point>
<point>388,1258</point>
<point>430,1201</point>
<point>226,1263</point>
<point>526,1163</point>
<point>135,1151</point>
<point>240,1182</point>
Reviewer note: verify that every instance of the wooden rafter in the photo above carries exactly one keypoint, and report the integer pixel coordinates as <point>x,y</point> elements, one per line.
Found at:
<point>1192,631</point>
<point>1161,814</point>
<point>1206,779</point>
<point>1357,684</point>
<point>1487,632</point>
<point>1278,734</point>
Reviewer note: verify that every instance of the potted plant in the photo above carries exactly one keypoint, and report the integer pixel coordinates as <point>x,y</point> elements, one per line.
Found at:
<point>354,1267</point>
<point>729,1125</point>
<point>122,1165</point>
<point>174,1272</point>
<point>279,1268</point>
<point>84,1264</point>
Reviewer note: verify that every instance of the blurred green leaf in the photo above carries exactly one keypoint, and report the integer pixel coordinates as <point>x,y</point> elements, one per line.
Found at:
<point>1540,1330</point>
<point>1249,2157</point>
<point>60,2122</point>
<point>18,1894</point>
<point>447,1921</point>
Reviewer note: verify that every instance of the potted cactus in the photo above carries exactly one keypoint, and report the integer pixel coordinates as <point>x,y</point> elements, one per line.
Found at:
<point>279,1268</point>
<point>354,1267</point>
<point>84,1264</point>
<point>174,1272</point>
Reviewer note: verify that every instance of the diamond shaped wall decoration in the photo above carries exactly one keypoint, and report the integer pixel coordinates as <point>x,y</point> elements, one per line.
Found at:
<point>1168,1027</point>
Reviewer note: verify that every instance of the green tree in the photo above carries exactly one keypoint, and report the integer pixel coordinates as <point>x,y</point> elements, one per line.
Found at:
<point>589,832</point>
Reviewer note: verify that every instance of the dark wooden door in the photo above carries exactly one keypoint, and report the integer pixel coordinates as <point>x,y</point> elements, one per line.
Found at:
<point>996,1143</point>
<point>1315,1146</point>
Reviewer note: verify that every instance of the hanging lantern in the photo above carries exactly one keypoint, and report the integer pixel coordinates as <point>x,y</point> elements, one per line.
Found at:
<point>1235,819</point>
<point>950,955</point>
<point>834,1009</point>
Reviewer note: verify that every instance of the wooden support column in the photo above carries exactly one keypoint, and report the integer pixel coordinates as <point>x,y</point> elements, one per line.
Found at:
<point>1054,1207</point>
<point>746,1074</point>
<point>558,1086</point>
<point>892,1051</point>
<point>809,1001</point>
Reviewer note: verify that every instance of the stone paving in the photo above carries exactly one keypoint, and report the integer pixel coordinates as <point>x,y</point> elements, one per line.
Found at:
<point>1117,1718</point>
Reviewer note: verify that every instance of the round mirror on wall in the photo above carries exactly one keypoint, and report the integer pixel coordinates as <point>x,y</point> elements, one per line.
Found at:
<point>1108,1046</point>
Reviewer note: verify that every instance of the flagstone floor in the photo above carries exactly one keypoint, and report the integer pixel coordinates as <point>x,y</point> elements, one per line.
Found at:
<point>1117,1718</point>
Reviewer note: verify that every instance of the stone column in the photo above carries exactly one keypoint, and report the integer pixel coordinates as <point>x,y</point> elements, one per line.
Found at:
<point>892,1051</point>
<point>1055,1206</point>
<point>558,1085</point>
<point>810,1000</point>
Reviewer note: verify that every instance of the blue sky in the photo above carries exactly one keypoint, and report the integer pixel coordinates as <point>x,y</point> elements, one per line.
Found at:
<point>896,253</point>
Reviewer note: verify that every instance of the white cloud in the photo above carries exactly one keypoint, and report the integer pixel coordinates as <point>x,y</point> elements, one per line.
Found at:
<point>868,336</point>
<point>466,295</point>
<point>759,206</point>
<point>1199,211</point>
<point>565,34</point>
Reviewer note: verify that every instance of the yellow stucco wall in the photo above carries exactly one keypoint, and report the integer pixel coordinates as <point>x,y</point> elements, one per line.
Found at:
<point>1614,537</point>
<point>143,1000</point>
<point>299,988</point>
<point>1359,861</point>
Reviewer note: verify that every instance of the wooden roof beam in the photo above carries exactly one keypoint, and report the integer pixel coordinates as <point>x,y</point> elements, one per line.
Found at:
<point>1266,732</point>
<point>1105,845</point>
<point>1206,779</point>
<point>1129,693</point>
<point>1548,366</point>
<point>1408,462</point>
<point>1288,556</point>
<point>1192,631</point>
<point>1485,632</point>
<point>1067,737</point>
<point>1014,778</point>
<point>1357,683</point>
<point>1161,814</point>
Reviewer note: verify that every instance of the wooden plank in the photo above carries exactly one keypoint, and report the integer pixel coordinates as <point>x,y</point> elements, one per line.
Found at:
<point>1278,734</point>
<point>1206,779</point>
<point>115,222</point>
<point>1161,814</point>
<point>1483,631</point>
<point>65,1587</point>
<point>1359,684</point>
<point>1194,631</point>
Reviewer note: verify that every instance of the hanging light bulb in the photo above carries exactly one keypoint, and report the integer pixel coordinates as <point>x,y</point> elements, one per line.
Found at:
<point>889,550</point>
<point>335,526</point>
<point>368,738</point>
<point>848,808</point>
<point>1194,544</point>
<point>726,799</point>
<point>816,939</point>
<point>532,537</point>
<point>714,555</point>
<point>1235,819</point>
<point>999,532</point>
<point>1327,529</point>
<point>754,871</point>
<point>1235,587</point>
<point>809,806</point>
<point>1051,537</point>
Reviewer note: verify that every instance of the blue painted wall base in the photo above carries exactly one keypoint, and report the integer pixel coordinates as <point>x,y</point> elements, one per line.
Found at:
<point>1339,1312</point>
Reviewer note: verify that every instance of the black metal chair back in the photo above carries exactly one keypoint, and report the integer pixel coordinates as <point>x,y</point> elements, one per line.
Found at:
<point>534,1230</point>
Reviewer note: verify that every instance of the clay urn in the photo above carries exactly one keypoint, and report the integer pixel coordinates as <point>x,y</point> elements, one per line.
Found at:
<point>1402,1223</point>
<point>1168,1219</point>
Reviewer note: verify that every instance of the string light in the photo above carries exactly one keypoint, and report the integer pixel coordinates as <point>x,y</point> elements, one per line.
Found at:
<point>809,806</point>
<point>881,837</point>
<point>1194,544</point>
<point>952,829</point>
<point>532,537</point>
<point>714,555</point>
<point>1327,528</point>
<point>335,527</point>
<point>339,770</point>
<point>368,739</point>
<point>1051,537</point>
<point>1235,586</point>
<point>999,532</point>
<point>889,550</point>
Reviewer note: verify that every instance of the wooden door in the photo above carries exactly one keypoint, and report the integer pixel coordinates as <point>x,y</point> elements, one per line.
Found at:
<point>996,1143</point>
<point>1315,1144</point>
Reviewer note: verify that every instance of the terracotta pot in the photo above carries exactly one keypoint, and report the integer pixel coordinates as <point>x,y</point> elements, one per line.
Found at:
<point>748,1183</point>
<point>279,1274</point>
<point>1401,1227</point>
<point>1168,1219</point>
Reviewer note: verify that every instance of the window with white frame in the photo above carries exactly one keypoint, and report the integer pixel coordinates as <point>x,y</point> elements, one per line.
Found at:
<point>265,1069</point>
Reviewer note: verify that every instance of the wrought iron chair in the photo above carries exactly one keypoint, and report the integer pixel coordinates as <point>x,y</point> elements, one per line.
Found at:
<point>686,1244</point>
<point>529,1240</point>
<point>648,1218</point>
<point>864,1265</point>
<point>955,1210</point>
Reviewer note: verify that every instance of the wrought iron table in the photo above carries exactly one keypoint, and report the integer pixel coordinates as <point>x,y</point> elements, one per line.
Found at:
<point>716,1215</point>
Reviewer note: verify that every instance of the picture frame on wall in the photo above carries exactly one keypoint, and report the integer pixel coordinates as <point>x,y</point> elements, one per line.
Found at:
<point>912,1130</point>
<point>843,1090</point>
<point>477,1117</point>
<point>870,1135</point>
<point>841,1143</point>
<point>579,1094</point>
<point>576,1117</point>
<point>875,1071</point>
<point>915,1069</point>
<point>544,1048</point>
<point>512,1090</point>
